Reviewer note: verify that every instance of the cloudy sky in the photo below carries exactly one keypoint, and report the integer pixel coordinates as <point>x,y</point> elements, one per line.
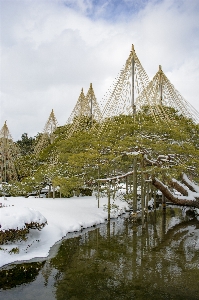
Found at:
<point>50,49</point>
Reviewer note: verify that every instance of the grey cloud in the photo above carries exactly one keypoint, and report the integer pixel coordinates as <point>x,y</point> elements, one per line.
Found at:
<point>50,51</point>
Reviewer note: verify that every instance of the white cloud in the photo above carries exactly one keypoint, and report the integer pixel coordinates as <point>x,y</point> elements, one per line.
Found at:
<point>50,50</point>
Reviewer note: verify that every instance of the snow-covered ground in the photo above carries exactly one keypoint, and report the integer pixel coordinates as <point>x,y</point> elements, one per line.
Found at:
<point>62,215</point>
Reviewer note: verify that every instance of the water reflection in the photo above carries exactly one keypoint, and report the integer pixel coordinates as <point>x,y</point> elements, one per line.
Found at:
<point>128,260</point>
<point>17,275</point>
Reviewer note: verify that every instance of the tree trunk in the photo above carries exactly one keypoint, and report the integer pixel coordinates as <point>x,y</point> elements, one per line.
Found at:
<point>179,188</point>
<point>183,199</point>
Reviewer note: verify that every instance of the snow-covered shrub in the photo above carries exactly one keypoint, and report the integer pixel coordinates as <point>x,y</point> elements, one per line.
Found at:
<point>15,224</point>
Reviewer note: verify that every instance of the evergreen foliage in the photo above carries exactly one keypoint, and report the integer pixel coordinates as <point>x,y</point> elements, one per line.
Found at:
<point>26,144</point>
<point>106,149</point>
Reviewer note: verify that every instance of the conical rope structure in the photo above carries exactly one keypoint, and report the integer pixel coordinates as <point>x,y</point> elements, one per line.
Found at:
<point>8,152</point>
<point>86,108</point>
<point>48,133</point>
<point>159,95</point>
<point>81,108</point>
<point>130,82</point>
<point>95,112</point>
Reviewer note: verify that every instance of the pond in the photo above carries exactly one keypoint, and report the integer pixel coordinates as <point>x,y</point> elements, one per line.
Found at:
<point>122,259</point>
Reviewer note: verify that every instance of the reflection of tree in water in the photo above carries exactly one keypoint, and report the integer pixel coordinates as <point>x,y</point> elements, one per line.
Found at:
<point>19,274</point>
<point>125,260</point>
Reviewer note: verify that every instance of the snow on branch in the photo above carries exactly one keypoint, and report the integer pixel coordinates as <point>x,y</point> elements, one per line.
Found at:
<point>192,186</point>
<point>188,197</point>
<point>115,177</point>
<point>169,159</point>
<point>180,187</point>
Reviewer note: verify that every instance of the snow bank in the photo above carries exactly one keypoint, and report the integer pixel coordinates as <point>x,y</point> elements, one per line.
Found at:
<point>62,215</point>
<point>13,218</point>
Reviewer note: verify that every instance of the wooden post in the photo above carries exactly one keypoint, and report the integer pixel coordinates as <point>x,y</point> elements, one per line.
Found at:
<point>135,185</point>
<point>147,196</point>
<point>114,189</point>
<point>142,190</point>
<point>108,230</point>
<point>132,80</point>
<point>98,187</point>
<point>98,203</point>
<point>163,223</point>
<point>97,233</point>
<point>130,183</point>
<point>49,190</point>
<point>146,191</point>
<point>163,201</point>
<point>160,84</point>
<point>154,196</point>
<point>144,194</point>
<point>127,184</point>
<point>142,197</point>
<point>91,103</point>
<point>109,200</point>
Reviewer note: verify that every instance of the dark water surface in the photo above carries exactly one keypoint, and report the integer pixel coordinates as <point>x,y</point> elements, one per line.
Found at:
<point>119,260</point>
